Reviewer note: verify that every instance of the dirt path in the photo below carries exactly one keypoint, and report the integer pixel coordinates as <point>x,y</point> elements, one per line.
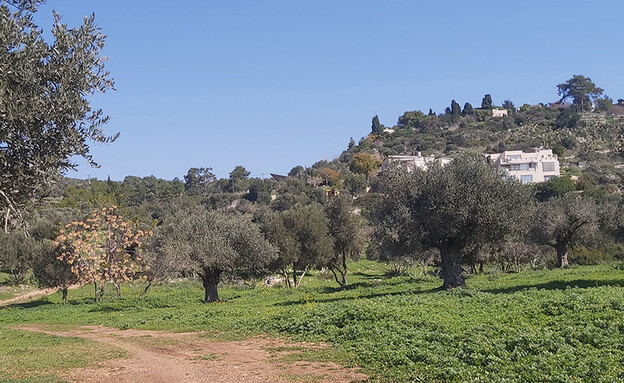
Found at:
<point>27,297</point>
<point>157,356</point>
<point>32,295</point>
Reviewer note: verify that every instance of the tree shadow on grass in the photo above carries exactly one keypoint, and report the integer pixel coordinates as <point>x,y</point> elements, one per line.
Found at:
<point>556,285</point>
<point>44,301</point>
<point>325,291</point>
<point>353,286</point>
<point>362,275</point>
<point>28,305</point>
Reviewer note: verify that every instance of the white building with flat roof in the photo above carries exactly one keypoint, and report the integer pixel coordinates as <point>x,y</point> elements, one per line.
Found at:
<point>537,166</point>
<point>410,163</point>
<point>499,112</point>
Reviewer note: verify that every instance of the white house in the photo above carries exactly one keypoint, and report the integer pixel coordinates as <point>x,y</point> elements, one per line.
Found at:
<point>537,166</point>
<point>411,163</point>
<point>499,112</point>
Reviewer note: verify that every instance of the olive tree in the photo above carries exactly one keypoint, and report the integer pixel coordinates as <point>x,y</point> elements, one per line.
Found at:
<point>346,227</point>
<point>53,271</point>
<point>45,114</point>
<point>210,243</point>
<point>563,222</point>
<point>16,254</point>
<point>301,235</point>
<point>454,208</point>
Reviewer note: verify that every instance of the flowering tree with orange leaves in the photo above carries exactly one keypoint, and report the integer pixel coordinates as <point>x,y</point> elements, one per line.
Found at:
<point>106,247</point>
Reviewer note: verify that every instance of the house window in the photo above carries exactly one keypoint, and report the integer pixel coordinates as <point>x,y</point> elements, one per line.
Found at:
<point>526,179</point>
<point>521,167</point>
<point>514,157</point>
<point>549,166</point>
<point>546,178</point>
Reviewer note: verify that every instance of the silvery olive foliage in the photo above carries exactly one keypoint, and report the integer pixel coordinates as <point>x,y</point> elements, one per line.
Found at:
<point>564,222</point>
<point>301,235</point>
<point>210,243</point>
<point>454,208</point>
<point>45,114</point>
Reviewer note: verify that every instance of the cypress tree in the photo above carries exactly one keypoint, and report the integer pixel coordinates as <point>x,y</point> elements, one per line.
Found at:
<point>468,110</point>
<point>486,103</point>
<point>376,127</point>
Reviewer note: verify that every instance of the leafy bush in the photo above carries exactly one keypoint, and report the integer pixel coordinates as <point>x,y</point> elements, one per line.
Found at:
<point>584,256</point>
<point>16,254</point>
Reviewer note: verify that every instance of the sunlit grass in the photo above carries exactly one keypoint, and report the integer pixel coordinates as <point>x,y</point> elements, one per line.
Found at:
<point>557,325</point>
<point>27,356</point>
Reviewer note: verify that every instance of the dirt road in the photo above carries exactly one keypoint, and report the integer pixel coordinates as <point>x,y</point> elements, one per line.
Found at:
<point>156,356</point>
<point>27,297</point>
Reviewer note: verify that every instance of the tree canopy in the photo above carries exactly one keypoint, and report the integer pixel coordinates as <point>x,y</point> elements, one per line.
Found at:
<point>238,178</point>
<point>468,110</point>
<point>564,222</point>
<point>364,163</point>
<point>486,103</point>
<point>581,90</point>
<point>376,127</point>
<point>455,209</point>
<point>46,117</point>
<point>198,179</point>
<point>302,236</point>
<point>210,243</point>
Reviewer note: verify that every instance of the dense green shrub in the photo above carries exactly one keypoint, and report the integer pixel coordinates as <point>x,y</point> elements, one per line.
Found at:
<point>584,256</point>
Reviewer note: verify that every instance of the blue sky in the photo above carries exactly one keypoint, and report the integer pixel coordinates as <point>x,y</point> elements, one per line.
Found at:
<point>274,84</point>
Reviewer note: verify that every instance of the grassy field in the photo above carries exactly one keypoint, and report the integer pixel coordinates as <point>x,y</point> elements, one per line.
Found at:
<point>7,290</point>
<point>31,357</point>
<point>546,326</point>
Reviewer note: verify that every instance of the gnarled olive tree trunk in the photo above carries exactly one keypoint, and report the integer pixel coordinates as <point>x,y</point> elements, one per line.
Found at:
<point>452,272</point>
<point>340,271</point>
<point>561,248</point>
<point>210,280</point>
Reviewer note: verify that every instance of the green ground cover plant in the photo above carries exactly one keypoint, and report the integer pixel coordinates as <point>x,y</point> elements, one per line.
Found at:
<point>548,326</point>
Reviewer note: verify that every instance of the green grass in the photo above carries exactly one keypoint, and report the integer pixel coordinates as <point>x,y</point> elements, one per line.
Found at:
<point>8,291</point>
<point>546,326</point>
<point>34,357</point>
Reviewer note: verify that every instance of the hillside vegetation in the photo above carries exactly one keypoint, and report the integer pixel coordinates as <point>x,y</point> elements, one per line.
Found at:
<point>438,273</point>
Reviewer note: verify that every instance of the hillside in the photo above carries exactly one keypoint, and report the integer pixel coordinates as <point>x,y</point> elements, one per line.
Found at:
<point>589,144</point>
